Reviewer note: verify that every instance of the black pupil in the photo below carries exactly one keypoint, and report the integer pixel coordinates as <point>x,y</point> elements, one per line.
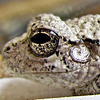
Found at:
<point>40,38</point>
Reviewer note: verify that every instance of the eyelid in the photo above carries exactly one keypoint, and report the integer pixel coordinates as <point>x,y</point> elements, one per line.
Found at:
<point>44,43</point>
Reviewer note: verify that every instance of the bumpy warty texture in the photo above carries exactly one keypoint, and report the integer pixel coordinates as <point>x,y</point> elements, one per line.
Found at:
<point>76,60</point>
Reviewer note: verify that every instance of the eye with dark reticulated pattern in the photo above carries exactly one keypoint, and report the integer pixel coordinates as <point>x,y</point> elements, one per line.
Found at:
<point>43,42</point>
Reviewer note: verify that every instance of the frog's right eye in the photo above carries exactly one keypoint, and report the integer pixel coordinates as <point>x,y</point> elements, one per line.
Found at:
<point>43,42</point>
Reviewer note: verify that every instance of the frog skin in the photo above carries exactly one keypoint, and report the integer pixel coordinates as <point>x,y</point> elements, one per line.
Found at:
<point>54,52</point>
<point>89,89</point>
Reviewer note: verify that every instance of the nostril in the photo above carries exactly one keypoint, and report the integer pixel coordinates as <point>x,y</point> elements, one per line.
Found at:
<point>8,48</point>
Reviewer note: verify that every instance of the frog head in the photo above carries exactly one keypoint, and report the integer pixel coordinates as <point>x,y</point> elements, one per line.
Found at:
<point>50,51</point>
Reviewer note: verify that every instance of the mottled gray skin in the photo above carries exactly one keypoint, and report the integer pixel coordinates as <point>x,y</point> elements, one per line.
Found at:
<point>89,89</point>
<point>75,62</point>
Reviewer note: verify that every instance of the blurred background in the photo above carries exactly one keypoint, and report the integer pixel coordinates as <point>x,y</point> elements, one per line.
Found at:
<point>16,14</point>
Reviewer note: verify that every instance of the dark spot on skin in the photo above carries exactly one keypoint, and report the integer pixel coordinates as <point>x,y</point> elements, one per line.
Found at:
<point>29,66</point>
<point>40,45</point>
<point>64,60</point>
<point>20,60</point>
<point>39,30</point>
<point>94,33</point>
<point>8,48</point>
<point>89,40</point>
<point>41,25</point>
<point>80,90</point>
<point>98,42</point>
<point>72,42</point>
<point>68,66</point>
<point>66,70</point>
<point>84,22</point>
<point>61,53</point>
<point>83,36</point>
<point>64,39</point>
<point>52,67</point>
<point>49,66</point>
<point>28,45</point>
<point>33,24</point>
<point>23,42</point>
<point>53,41</point>
<point>98,21</point>
<point>16,70</point>
<point>98,84</point>
<point>45,60</point>
<point>14,44</point>
<point>92,41</point>
<point>57,53</point>
<point>47,45</point>
<point>90,93</point>
<point>12,68</point>
<point>42,78</point>
<point>46,68</point>
<point>34,69</point>
<point>61,59</point>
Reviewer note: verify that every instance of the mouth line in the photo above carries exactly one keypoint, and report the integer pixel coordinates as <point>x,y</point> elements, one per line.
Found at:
<point>43,72</point>
<point>46,72</point>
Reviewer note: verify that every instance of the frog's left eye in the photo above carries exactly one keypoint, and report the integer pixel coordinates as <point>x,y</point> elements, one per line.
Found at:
<point>43,42</point>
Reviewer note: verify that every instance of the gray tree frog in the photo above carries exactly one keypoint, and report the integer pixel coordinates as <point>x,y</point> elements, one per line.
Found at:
<point>55,52</point>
